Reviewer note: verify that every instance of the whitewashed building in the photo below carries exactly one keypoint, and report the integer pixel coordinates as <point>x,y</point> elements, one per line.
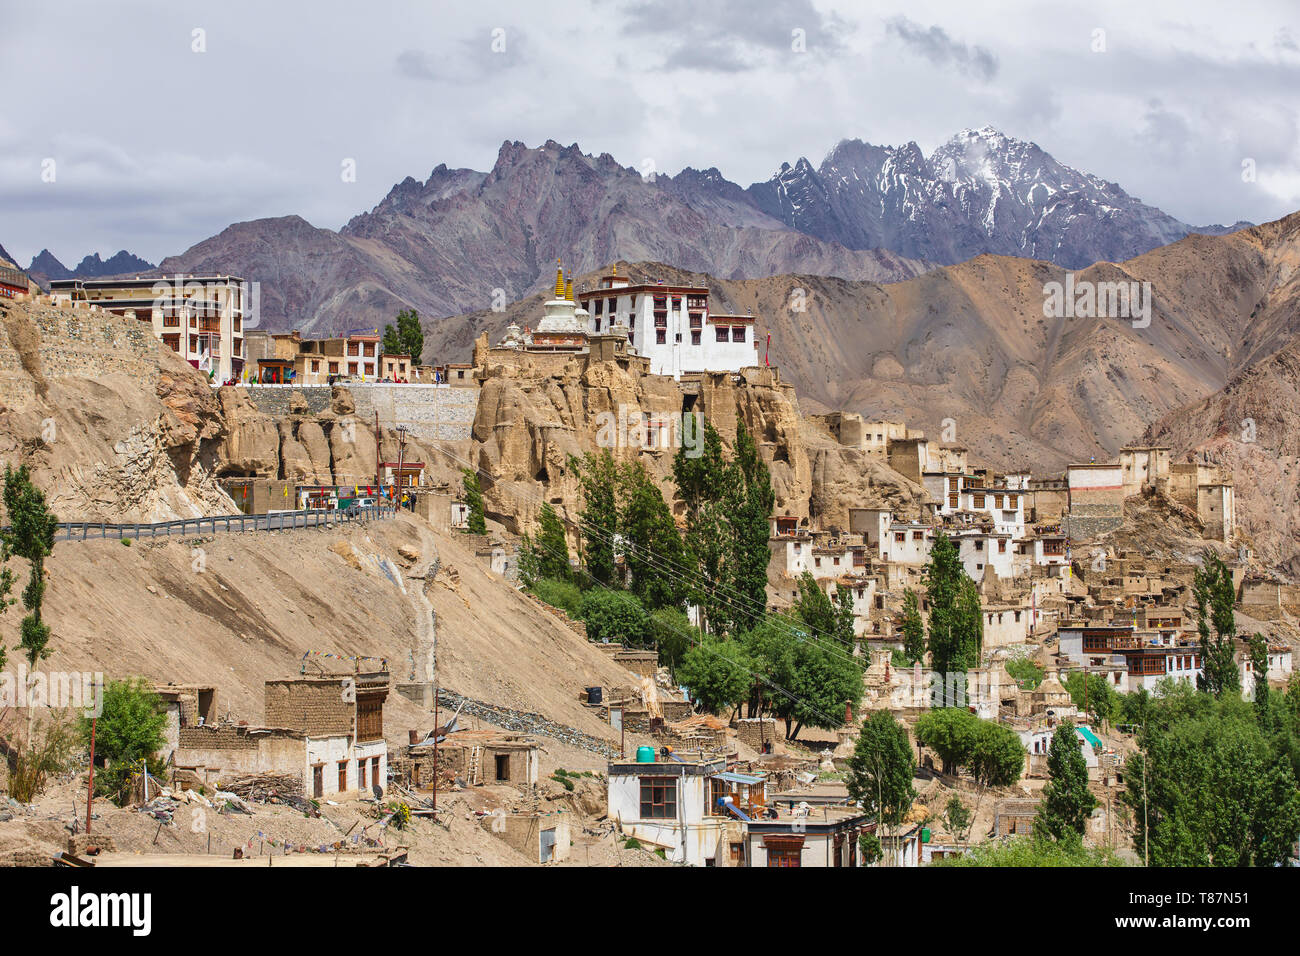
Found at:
<point>671,325</point>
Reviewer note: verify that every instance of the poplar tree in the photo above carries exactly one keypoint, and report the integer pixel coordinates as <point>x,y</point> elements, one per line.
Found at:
<point>749,504</point>
<point>474,501</point>
<point>652,545</point>
<point>913,629</point>
<point>1067,801</point>
<point>552,550</point>
<point>598,520</point>
<point>1217,626</point>
<point>31,536</point>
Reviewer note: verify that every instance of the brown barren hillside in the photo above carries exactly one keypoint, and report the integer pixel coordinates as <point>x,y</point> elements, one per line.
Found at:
<point>970,343</point>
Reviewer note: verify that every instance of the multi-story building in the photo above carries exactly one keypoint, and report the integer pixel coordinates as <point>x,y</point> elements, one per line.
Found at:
<point>671,325</point>
<point>201,318</point>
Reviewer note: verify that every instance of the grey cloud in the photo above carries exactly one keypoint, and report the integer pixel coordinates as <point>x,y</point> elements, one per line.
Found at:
<point>731,36</point>
<point>939,48</point>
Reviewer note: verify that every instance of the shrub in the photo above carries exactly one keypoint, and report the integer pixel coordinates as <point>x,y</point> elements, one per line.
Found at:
<point>565,595</point>
<point>615,616</point>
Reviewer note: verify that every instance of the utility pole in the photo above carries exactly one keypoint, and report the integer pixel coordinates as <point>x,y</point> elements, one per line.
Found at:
<point>90,786</point>
<point>1146,825</point>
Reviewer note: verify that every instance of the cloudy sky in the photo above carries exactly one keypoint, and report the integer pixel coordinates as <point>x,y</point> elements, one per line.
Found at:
<point>159,123</point>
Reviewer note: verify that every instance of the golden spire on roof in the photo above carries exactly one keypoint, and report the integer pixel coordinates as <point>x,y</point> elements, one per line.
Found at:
<point>614,269</point>
<point>559,279</point>
<point>568,288</point>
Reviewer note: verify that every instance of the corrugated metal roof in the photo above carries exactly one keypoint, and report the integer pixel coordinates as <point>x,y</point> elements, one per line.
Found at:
<point>732,777</point>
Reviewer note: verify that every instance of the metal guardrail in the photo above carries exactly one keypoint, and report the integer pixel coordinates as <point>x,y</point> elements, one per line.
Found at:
<point>275,521</point>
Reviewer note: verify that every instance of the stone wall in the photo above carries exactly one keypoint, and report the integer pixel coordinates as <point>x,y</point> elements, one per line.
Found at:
<point>438,412</point>
<point>79,342</point>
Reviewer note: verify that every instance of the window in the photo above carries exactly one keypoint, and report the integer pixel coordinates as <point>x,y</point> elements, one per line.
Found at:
<point>374,772</point>
<point>315,365</point>
<point>720,333</point>
<point>658,798</point>
<point>979,544</point>
<point>600,306</point>
<point>918,535</point>
<point>370,723</point>
<point>900,537</point>
<point>1002,545</point>
<point>343,775</point>
<point>979,501</point>
<point>611,304</point>
<point>334,368</point>
<point>695,336</point>
<point>738,333</point>
<point>361,774</point>
<point>318,780</point>
<point>661,336</point>
<point>697,320</point>
<point>785,853</point>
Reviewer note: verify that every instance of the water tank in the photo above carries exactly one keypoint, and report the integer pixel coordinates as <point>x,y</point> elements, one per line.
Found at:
<point>645,755</point>
<point>595,695</point>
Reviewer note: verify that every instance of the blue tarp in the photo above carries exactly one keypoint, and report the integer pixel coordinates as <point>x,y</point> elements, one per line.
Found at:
<point>1089,736</point>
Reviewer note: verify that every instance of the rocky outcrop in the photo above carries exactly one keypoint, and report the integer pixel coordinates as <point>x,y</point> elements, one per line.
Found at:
<point>530,426</point>
<point>107,448</point>
<point>252,445</point>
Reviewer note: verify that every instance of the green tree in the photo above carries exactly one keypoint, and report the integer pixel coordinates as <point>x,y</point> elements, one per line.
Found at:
<point>716,672</point>
<point>1093,693</point>
<point>702,482</point>
<point>814,608</point>
<point>822,682</point>
<point>565,595</point>
<point>749,503</point>
<point>530,570</point>
<point>913,629</point>
<point>615,616</point>
<point>474,501</point>
<point>997,757</point>
<point>552,548</point>
<point>407,338</point>
<point>652,545</point>
<point>956,619</point>
<point>843,632</point>
<point>881,769</point>
<point>30,535</point>
<point>1216,624</point>
<point>673,634</point>
<point>957,817</point>
<point>598,474</point>
<point>950,733</point>
<point>1027,673</point>
<point>129,730</point>
<point>1259,668</point>
<point>1067,801</point>
<point>1034,850</point>
<point>1208,787</point>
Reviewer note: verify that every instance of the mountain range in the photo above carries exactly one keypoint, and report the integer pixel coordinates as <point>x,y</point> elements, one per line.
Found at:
<point>45,267</point>
<point>462,239</point>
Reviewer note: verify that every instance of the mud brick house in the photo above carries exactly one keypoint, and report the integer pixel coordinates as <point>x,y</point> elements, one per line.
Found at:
<point>186,705</point>
<point>327,730</point>
<point>475,756</point>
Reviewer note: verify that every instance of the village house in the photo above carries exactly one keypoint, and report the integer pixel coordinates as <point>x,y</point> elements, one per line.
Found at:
<point>673,803</point>
<point>826,836</point>
<point>475,757</point>
<point>327,731</point>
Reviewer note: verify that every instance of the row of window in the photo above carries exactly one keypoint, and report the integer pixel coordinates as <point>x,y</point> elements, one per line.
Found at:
<point>318,776</point>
